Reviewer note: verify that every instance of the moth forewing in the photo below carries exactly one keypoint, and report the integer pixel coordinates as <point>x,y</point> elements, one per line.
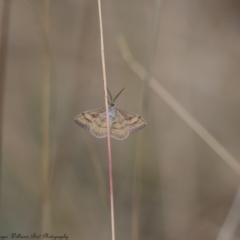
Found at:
<point>82,121</point>
<point>135,122</point>
<point>86,119</point>
<point>138,125</point>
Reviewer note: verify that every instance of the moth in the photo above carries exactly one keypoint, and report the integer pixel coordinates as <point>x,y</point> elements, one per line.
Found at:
<point>122,122</point>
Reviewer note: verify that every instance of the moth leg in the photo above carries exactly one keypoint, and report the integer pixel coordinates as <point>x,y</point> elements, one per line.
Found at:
<point>115,119</point>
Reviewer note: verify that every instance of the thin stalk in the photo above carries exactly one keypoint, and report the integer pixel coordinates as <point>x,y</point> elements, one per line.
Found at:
<point>108,124</point>
<point>3,64</point>
<point>137,184</point>
<point>46,205</point>
<point>232,220</point>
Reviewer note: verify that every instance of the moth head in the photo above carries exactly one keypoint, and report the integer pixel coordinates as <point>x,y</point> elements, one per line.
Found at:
<point>111,100</point>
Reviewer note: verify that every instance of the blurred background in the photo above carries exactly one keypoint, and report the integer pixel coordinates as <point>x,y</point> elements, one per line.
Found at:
<point>169,182</point>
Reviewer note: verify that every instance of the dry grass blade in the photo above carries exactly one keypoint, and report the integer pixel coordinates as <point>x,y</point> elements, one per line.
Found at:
<point>193,123</point>
<point>108,123</point>
<point>3,61</point>
<point>46,203</point>
<point>232,220</point>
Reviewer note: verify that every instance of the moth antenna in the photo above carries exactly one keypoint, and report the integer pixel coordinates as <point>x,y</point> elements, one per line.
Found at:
<point>118,95</point>
<point>110,95</point>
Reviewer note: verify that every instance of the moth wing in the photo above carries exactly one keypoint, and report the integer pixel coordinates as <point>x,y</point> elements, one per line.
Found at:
<point>134,121</point>
<point>86,119</point>
<point>98,127</point>
<point>119,128</point>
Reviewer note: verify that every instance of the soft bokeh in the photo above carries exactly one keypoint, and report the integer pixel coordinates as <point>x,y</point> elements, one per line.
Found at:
<point>169,184</point>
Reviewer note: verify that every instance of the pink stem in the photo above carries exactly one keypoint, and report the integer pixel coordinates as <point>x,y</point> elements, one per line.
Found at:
<point>108,125</point>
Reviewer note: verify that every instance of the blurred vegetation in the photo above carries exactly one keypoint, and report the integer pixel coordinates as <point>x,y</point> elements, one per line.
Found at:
<point>184,188</point>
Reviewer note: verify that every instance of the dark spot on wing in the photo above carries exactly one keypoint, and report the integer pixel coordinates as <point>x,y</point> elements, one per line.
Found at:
<point>94,115</point>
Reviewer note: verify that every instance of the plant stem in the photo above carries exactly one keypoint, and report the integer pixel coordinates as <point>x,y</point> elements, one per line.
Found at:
<point>3,64</point>
<point>108,125</point>
<point>46,203</point>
